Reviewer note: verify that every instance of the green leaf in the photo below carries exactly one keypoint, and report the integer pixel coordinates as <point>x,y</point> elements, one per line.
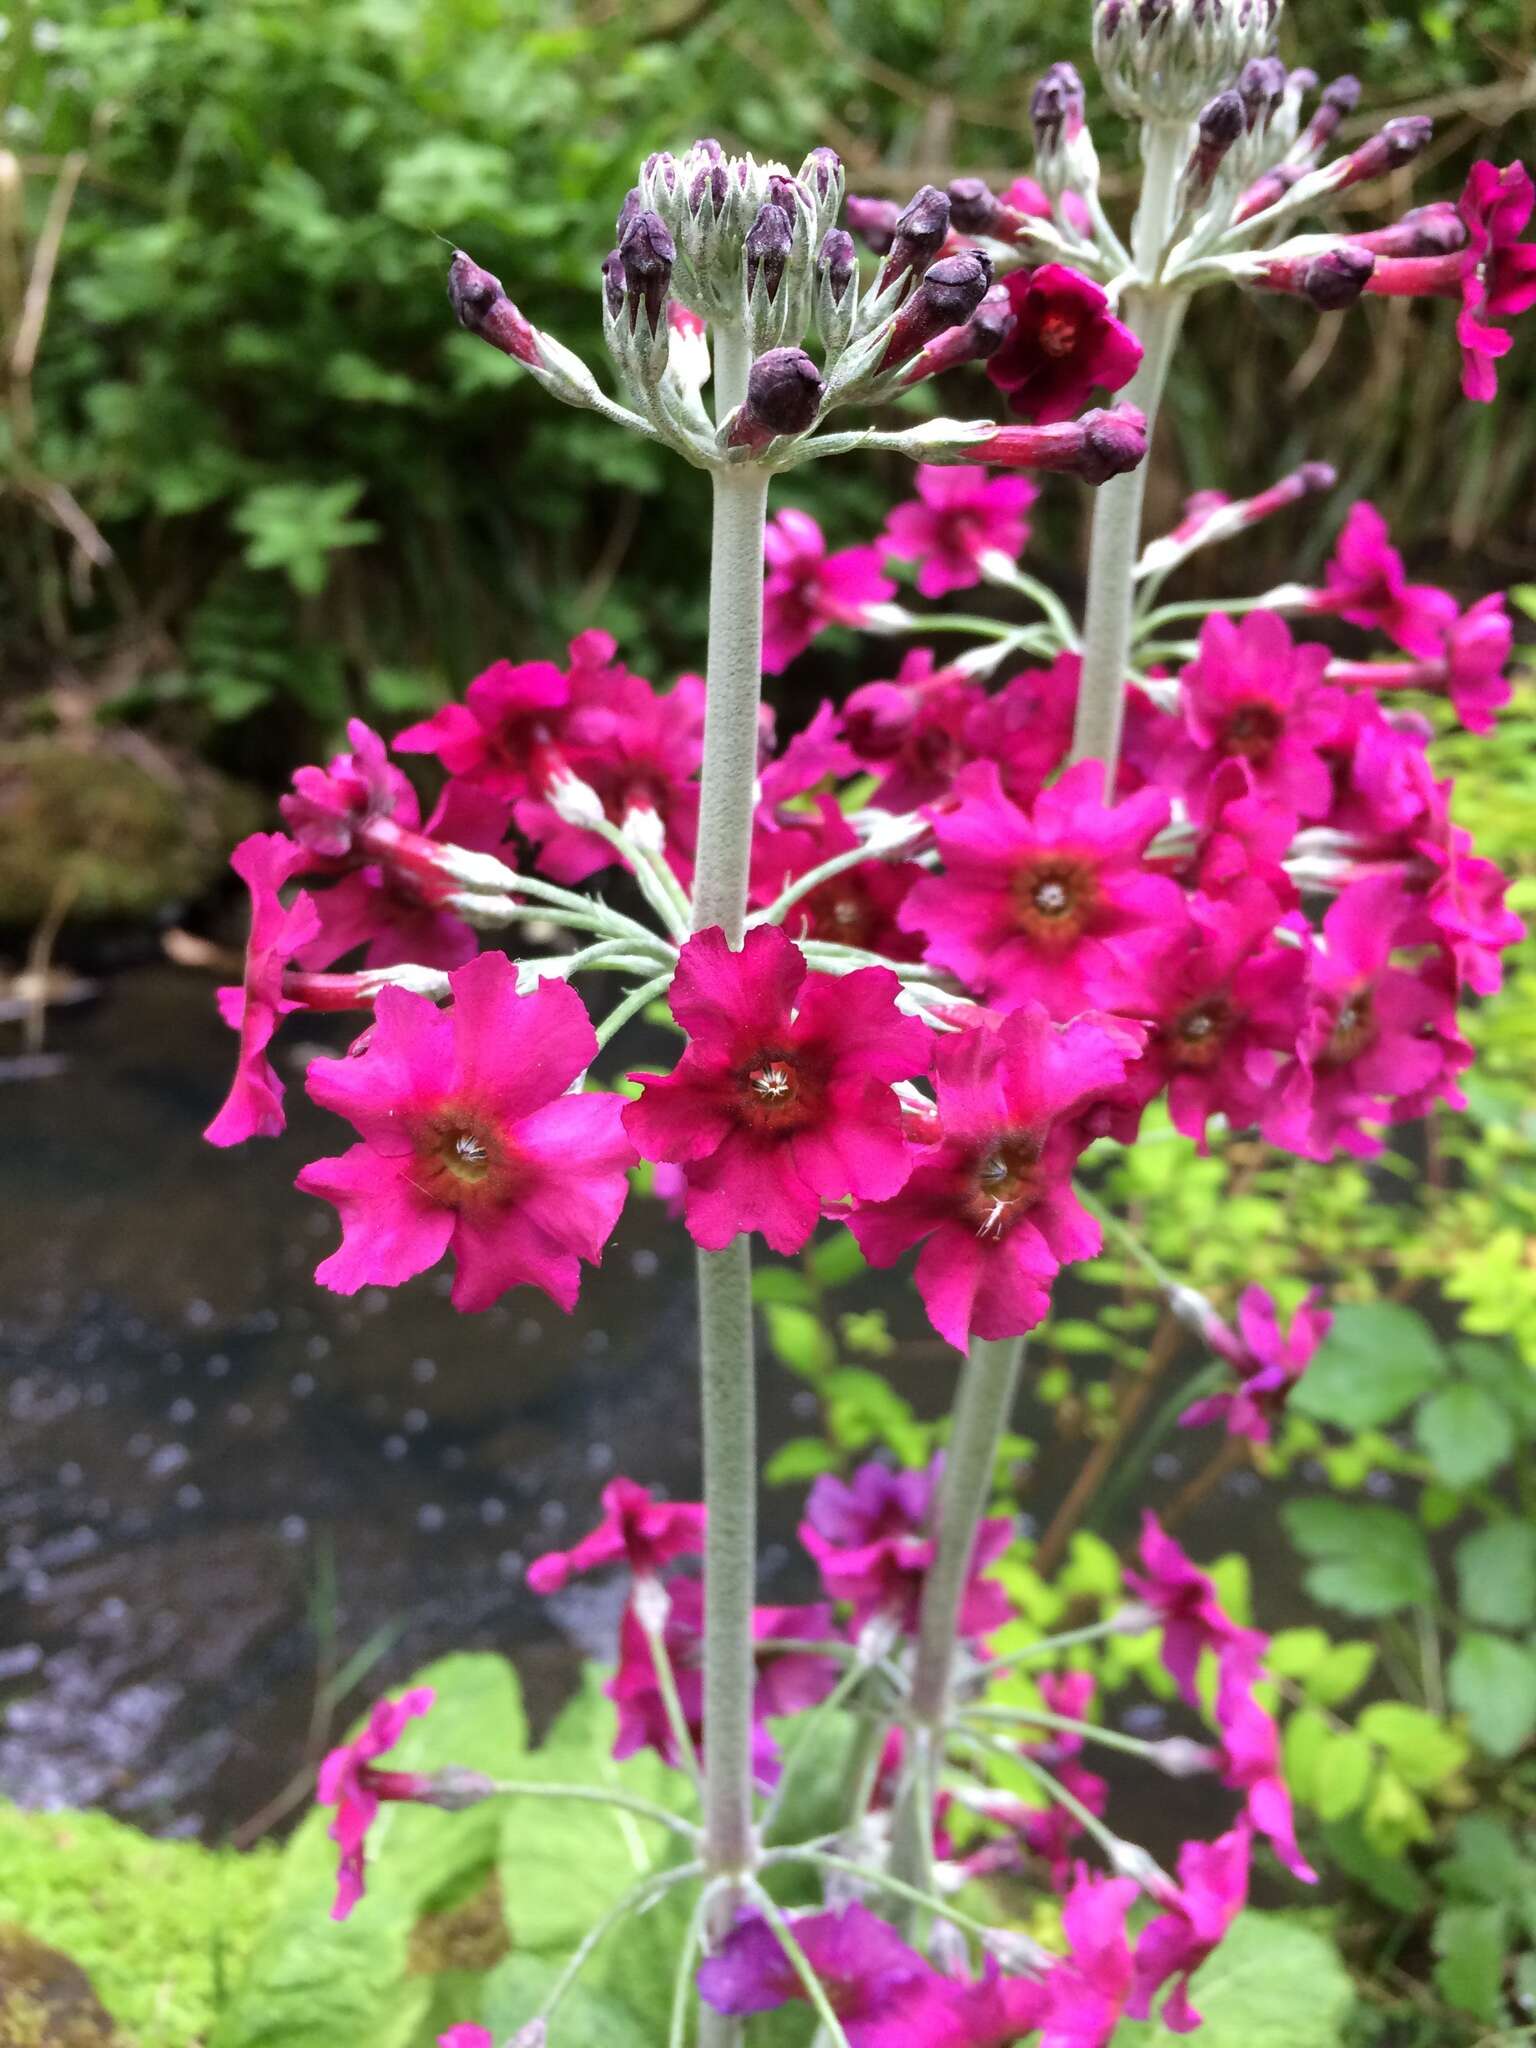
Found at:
<point>1370,1560</point>
<point>1496,1571</point>
<point>1485,1864</point>
<point>1387,1878</point>
<point>1307,1736</point>
<point>1272,1984</point>
<point>1423,1750</point>
<point>803,1457</point>
<point>1296,1652</point>
<point>1471,1943</point>
<point>836,1261</point>
<point>296,527</point>
<point>1493,1682</point>
<point>1378,1357</point>
<point>1343,1775</point>
<point>586,2019</point>
<point>782,1283</point>
<point>1465,1433</point>
<point>800,1339</point>
<point>1341,1673</point>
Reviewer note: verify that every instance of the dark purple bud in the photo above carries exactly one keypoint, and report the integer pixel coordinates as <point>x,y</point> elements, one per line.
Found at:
<point>821,170</point>
<point>648,252</point>
<point>786,194</point>
<point>1222,121</point>
<point>1260,85</point>
<point>1337,278</point>
<point>1341,96</point>
<point>663,165</point>
<point>480,305</point>
<point>981,336</point>
<point>1111,16</point>
<point>949,294</point>
<point>784,394</point>
<point>972,206</point>
<point>1113,442</point>
<point>921,230</point>
<point>769,240</point>
<point>1095,447</point>
<point>707,146</point>
<point>837,263</point>
<point>1056,108</point>
<point>873,221</point>
<point>710,184</point>
<point>613,283</point>
<point>1398,143</point>
<point>632,205</point>
<point>1434,230</point>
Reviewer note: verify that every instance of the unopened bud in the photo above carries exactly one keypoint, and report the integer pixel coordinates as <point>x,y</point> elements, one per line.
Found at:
<point>873,221</point>
<point>981,336</point>
<point>633,204</point>
<point>784,394</point>
<point>1096,446</point>
<point>949,294</point>
<point>1267,191</point>
<point>822,171</point>
<point>454,1788</point>
<point>1179,1757</point>
<point>1056,109</point>
<point>483,308</point>
<point>837,264</point>
<point>1222,121</point>
<point>647,252</point>
<point>1340,97</point>
<point>1260,85</point>
<point>1434,230</point>
<point>1398,143</point>
<point>661,166</point>
<point>1336,279</point>
<point>768,243</point>
<point>534,2035</point>
<point>613,283</point>
<point>973,206</point>
<point>922,228</point>
<point>573,801</point>
<point>642,825</point>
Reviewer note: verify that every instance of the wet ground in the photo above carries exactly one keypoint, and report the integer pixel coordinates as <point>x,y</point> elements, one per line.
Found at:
<point>214,1475</point>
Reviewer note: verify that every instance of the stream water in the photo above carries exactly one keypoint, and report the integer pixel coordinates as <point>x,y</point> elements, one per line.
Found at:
<point>213,1473</point>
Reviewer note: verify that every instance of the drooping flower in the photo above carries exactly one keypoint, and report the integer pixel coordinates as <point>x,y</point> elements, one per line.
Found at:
<point>1463,908</point>
<point>1499,280</point>
<point>807,589</point>
<point>254,1106</point>
<point>1365,582</point>
<point>855,908</point>
<point>1188,1610</point>
<point>783,1097</point>
<point>1212,1890</point>
<point>1267,1364</point>
<point>911,731</point>
<point>1253,694</point>
<point>990,1199</point>
<point>1053,906</point>
<point>637,1530</point>
<point>1065,344</point>
<point>958,516</point>
<point>873,1541</point>
<point>349,1782</point>
<point>471,1143</point>
<point>870,1975</point>
<point>1250,1744</point>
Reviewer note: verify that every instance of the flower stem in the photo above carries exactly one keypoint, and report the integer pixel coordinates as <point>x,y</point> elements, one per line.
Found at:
<point>1155,313</point>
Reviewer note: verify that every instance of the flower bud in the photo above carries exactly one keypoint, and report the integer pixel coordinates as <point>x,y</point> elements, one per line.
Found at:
<point>633,204</point>
<point>1222,121</point>
<point>661,166</point>
<point>1434,230</point>
<point>973,206</point>
<point>784,394</point>
<point>836,291</point>
<point>1260,86</point>
<point>483,308</point>
<point>1163,59</point>
<point>1179,1757</point>
<point>1095,447</point>
<point>647,253</point>
<point>1398,143</point>
<point>1056,109</point>
<point>1267,191</point>
<point>981,336</point>
<point>949,294</point>
<point>613,284</point>
<point>873,221</point>
<point>769,240</point>
<point>837,264</point>
<point>1339,98</point>
<point>922,228</point>
<point>1337,278</point>
<point>822,172</point>
<point>455,1787</point>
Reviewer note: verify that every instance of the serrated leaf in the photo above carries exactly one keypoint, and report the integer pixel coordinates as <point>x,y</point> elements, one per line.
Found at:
<point>1496,1572</point>
<point>1376,1360</point>
<point>1370,1560</point>
<point>1493,1682</point>
<point>1465,1433</point>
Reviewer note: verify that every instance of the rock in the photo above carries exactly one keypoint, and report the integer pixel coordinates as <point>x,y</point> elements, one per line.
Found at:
<point>46,2001</point>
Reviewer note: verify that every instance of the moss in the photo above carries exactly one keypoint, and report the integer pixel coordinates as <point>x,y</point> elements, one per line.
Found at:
<point>46,2001</point>
<point>120,839</point>
<point>468,1936</point>
<point>157,1928</point>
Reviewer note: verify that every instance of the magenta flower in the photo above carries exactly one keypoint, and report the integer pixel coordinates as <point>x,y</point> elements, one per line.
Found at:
<point>1086,1993</point>
<point>873,1544</point>
<point>782,1099</point>
<point>957,517</point>
<point>495,738</point>
<point>1185,1602</point>
<point>1499,280</point>
<point>637,1530</point>
<point>1366,583</point>
<point>990,1199</point>
<point>349,1782</point>
<point>815,756</point>
<point>1477,651</point>
<point>911,732</point>
<point>871,1978</point>
<point>1052,906</point>
<point>253,1107</point>
<point>466,2035</point>
<point>471,1143</point>
<point>1250,1744</point>
<point>1065,343</point>
<point>1252,693</point>
<point>857,907</point>
<point>1268,1365</point>
<point>1026,727</point>
<point>329,805</point>
<point>1463,908</point>
<point>807,589</point>
<point>1211,1892</point>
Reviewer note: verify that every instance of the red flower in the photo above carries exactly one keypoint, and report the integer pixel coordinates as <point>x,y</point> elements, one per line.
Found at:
<point>912,731</point>
<point>1253,695</point>
<point>1499,280</point>
<point>637,1530</point>
<point>349,1782</point>
<point>1211,1892</point>
<point>254,1106</point>
<point>1065,343</point>
<point>1368,585</point>
<point>783,1098</point>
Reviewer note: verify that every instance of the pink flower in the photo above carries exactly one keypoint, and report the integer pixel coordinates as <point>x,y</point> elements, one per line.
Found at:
<point>495,738</point>
<point>808,590</point>
<point>471,1143</point>
<point>1211,1892</point>
<point>959,515</point>
<point>254,1106</point>
<point>1477,651</point>
<point>815,756</point>
<point>857,907</point>
<point>637,1530</point>
<point>912,731</point>
<point>1186,1605</point>
<point>1026,727</point>
<point>1499,280</point>
<point>783,1098</point>
<point>1065,343</point>
<point>873,1544</point>
<point>1367,584</point>
<point>349,1782</point>
<point>871,1977</point>
<point>329,804</point>
<point>1086,1993</point>
<point>1052,906</point>
<point>1268,1366</point>
<point>1463,907</point>
<point>991,1200</point>
<point>1251,1759</point>
<point>1253,694</point>
<point>466,2035</point>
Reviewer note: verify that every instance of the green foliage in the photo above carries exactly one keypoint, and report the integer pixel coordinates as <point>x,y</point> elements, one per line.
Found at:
<point>1273,1983</point>
<point>1370,1560</point>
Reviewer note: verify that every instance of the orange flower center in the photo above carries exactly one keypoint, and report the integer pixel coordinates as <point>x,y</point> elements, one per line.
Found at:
<point>1055,900</point>
<point>462,1161</point>
<point>1058,334</point>
<point>1353,1029</point>
<point>1004,1182</point>
<point>1196,1038</point>
<point>775,1093</point>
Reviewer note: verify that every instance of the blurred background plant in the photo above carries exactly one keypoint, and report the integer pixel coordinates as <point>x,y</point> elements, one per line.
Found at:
<point>253,477</point>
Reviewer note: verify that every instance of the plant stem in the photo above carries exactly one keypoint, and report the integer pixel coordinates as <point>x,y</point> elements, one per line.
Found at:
<point>1156,314</point>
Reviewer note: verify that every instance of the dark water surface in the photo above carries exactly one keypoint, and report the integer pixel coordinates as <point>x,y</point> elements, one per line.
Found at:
<point>193,1435</point>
